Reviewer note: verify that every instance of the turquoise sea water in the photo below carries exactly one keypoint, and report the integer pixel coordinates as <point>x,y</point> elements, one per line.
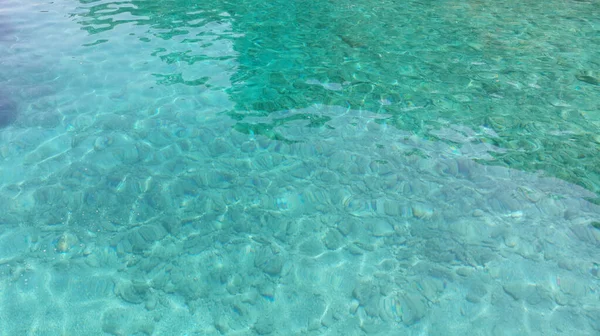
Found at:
<point>299,167</point>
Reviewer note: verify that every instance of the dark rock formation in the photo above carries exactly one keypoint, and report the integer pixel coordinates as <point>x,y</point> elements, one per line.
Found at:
<point>5,30</point>
<point>8,110</point>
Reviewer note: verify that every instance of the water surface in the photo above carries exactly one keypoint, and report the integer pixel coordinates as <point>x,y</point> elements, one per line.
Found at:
<point>321,168</point>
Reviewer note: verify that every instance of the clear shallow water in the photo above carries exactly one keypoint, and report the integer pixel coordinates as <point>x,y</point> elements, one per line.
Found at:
<point>299,168</point>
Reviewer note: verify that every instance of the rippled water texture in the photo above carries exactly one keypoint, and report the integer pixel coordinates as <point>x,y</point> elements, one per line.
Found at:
<point>299,167</point>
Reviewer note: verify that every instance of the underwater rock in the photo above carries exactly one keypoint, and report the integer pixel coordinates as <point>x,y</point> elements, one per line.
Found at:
<point>8,110</point>
<point>588,79</point>
<point>422,211</point>
<point>5,30</point>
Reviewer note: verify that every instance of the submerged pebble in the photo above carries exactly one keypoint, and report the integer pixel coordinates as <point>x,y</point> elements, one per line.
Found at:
<point>65,242</point>
<point>422,211</point>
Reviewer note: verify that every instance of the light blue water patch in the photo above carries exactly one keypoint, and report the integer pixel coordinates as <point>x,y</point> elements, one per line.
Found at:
<point>277,168</point>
